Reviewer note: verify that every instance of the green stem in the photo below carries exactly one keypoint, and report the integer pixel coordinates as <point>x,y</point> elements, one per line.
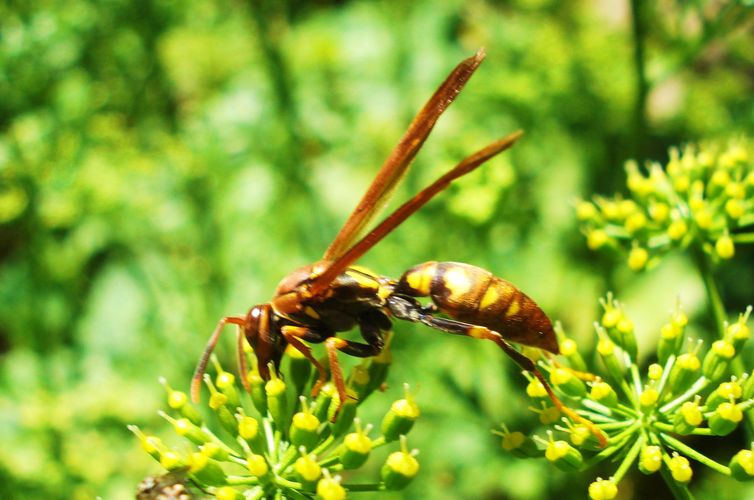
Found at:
<point>241,480</point>
<point>364,487</point>
<point>285,483</point>
<point>642,85</point>
<point>699,385</point>
<point>692,453</point>
<point>615,425</point>
<point>628,460</point>
<point>743,237</point>
<point>713,292</point>
<point>701,431</point>
<point>665,376</point>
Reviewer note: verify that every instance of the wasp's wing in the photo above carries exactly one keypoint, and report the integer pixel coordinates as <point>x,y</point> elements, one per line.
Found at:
<point>396,165</point>
<point>321,282</point>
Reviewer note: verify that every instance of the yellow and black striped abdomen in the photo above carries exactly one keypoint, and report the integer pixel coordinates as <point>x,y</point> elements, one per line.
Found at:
<point>473,295</point>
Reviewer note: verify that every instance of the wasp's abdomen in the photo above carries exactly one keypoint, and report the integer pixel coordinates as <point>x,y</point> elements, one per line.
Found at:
<point>474,295</point>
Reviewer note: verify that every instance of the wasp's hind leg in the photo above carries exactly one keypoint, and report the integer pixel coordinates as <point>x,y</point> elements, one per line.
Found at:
<point>373,325</point>
<point>411,310</point>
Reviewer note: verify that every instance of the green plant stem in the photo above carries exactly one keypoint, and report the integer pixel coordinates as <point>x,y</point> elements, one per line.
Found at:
<point>697,386</point>
<point>642,84</point>
<point>702,431</point>
<point>241,480</point>
<point>636,379</point>
<point>364,487</point>
<point>713,292</point>
<point>692,453</point>
<point>615,425</point>
<point>743,237</point>
<point>628,460</point>
<point>285,483</point>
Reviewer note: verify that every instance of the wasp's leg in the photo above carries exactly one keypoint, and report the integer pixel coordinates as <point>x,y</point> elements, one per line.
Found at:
<point>373,326</point>
<point>196,380</point>
<point>294,336</point>
<point>410,310</point>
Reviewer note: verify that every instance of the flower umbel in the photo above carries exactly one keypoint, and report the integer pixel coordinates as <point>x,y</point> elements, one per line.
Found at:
<point>645,415</point>
<point>278,442</point>
<point>701,199</point>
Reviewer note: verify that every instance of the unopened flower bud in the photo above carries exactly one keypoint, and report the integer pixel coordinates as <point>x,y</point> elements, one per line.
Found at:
<point>654,372</point>
<point>228,493</point>
<point>596,239</point>
<point>518,443</point>
<point>684,372</point>
<point>566,381</point>
<point>307,470</point>
<point>718,359</point>
<point>258,395</point>
<point>535,389</point>
<point>677,229</point>
<point>724,247</point>
<point>586,211</point>
<point>329,488</point>
<point>304,426</point>
<point>257,465</point>
<point>725,392</point>
<point>738,333</point>
<point>226,383</point>
<point>688,417</point>
<point>171,461</point>
<point>725,419</point>
<point>602,489</point>
<point>205,470</point>
<point>400,468</point>
<point>356,447</point>
<point>277,399</point>
<point>680,468</point>
<point>742,465</point>
<point>603,393</point>
<point>299,369</point>
<point>184,427</point>
<point>324,401</point>
<point>606,350</point>
<point>648,398</point>
<point>563,455</point>
<point>650,459</point>
<point>401,417</point>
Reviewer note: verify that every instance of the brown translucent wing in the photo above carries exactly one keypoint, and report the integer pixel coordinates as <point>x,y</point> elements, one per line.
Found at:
<point>321,282</point>
<point>396,165</point>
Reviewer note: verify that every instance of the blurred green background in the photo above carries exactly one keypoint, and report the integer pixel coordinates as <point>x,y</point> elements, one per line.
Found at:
<point>165,163</point>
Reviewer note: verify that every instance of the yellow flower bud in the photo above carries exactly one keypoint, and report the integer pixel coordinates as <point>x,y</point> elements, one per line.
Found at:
<point>650,460</point>
<point>677,229</point>
<point>724,247</point>
<point>637,258</point>
<point>602,489</point>
<point>535,389</point>
<point>585,210</point>
<point>596,239</point>
<point>734,208</point>
<point>680,468</point>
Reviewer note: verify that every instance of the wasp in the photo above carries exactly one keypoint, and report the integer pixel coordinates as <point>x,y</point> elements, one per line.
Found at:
<point>312,304</point>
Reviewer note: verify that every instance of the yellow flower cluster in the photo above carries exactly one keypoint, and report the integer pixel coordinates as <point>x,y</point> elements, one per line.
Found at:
<point>703,197</point>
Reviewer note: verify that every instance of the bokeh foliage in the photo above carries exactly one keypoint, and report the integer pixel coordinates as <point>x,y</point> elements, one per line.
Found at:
<point>165,163</point>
